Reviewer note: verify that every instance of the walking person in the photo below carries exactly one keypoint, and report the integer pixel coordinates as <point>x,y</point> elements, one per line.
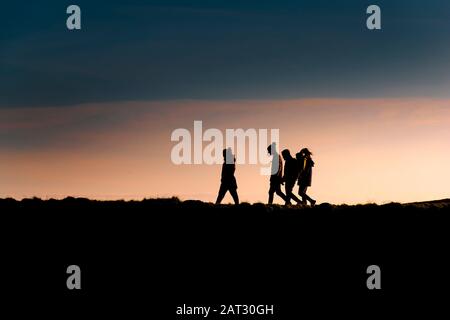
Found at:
<point>290,176</point>
<point>228,180</point>
<point>276,174</point>
<point>305,176</point>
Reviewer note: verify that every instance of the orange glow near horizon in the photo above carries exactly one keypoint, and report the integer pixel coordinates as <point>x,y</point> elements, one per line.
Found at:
<point>366,150</point>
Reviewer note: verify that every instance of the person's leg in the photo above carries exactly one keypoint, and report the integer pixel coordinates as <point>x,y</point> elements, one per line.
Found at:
<point>294,197</point>
<point>288,188</point>
<point>270,201</point>
<point>289,194</point>
<point>234,194</point>
<point>221,194</point>
<point>306,197</point>
<point>301,192</point>
<point>280,193</point>
<point>271,192</point>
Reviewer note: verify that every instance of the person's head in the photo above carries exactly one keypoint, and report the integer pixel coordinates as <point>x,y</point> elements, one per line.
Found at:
<point>228,155</point>
<point>299,155</point>
<point>272,148</point>
<point>286,154</point>
<point>306,153</point>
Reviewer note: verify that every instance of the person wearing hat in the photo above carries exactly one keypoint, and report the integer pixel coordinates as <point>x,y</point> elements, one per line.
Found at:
<point>305,176</point>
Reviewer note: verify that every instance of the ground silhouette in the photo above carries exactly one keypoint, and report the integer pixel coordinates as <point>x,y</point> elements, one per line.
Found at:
<point>294,257</point>
<point>175,203</point>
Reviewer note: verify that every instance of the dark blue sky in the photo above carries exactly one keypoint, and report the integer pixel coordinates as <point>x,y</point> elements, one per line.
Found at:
<point>158,50</point>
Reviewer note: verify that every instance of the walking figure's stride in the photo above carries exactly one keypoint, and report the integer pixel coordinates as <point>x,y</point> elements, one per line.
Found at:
<point>228,180</point>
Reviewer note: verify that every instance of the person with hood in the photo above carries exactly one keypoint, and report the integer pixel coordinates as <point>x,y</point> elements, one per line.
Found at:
<point>305,176</point>
<point>228,180</point>
<point>290,175</point>
<point>276,174</point>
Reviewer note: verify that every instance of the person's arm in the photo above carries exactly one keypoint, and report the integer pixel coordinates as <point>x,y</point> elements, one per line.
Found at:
<point>280,167</point>
<point>286,170</point>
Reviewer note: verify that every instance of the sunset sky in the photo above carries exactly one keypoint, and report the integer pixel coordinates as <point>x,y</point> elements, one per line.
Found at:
<point>90,113</point>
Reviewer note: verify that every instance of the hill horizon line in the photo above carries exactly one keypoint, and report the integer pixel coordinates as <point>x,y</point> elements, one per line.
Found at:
<point>177,199</point>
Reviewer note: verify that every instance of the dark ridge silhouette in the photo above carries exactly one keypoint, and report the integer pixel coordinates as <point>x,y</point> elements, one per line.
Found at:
<point>197,251</point>
<point>432,202</point>
<point>176,203</point>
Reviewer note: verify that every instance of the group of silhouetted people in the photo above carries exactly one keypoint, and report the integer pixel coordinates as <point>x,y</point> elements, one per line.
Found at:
<point>296,170</point>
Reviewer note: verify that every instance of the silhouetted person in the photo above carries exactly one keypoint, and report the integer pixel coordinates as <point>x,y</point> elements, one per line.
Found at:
<point>276,174</point>
<point>305,176</point>
<point>228,181</point>
<point>290,175</point>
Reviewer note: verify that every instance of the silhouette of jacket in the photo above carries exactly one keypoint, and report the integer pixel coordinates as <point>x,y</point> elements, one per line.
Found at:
<point>228,178</point>
<point>290,170</point>
<point>305,176</point>
<point>278,175</point>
